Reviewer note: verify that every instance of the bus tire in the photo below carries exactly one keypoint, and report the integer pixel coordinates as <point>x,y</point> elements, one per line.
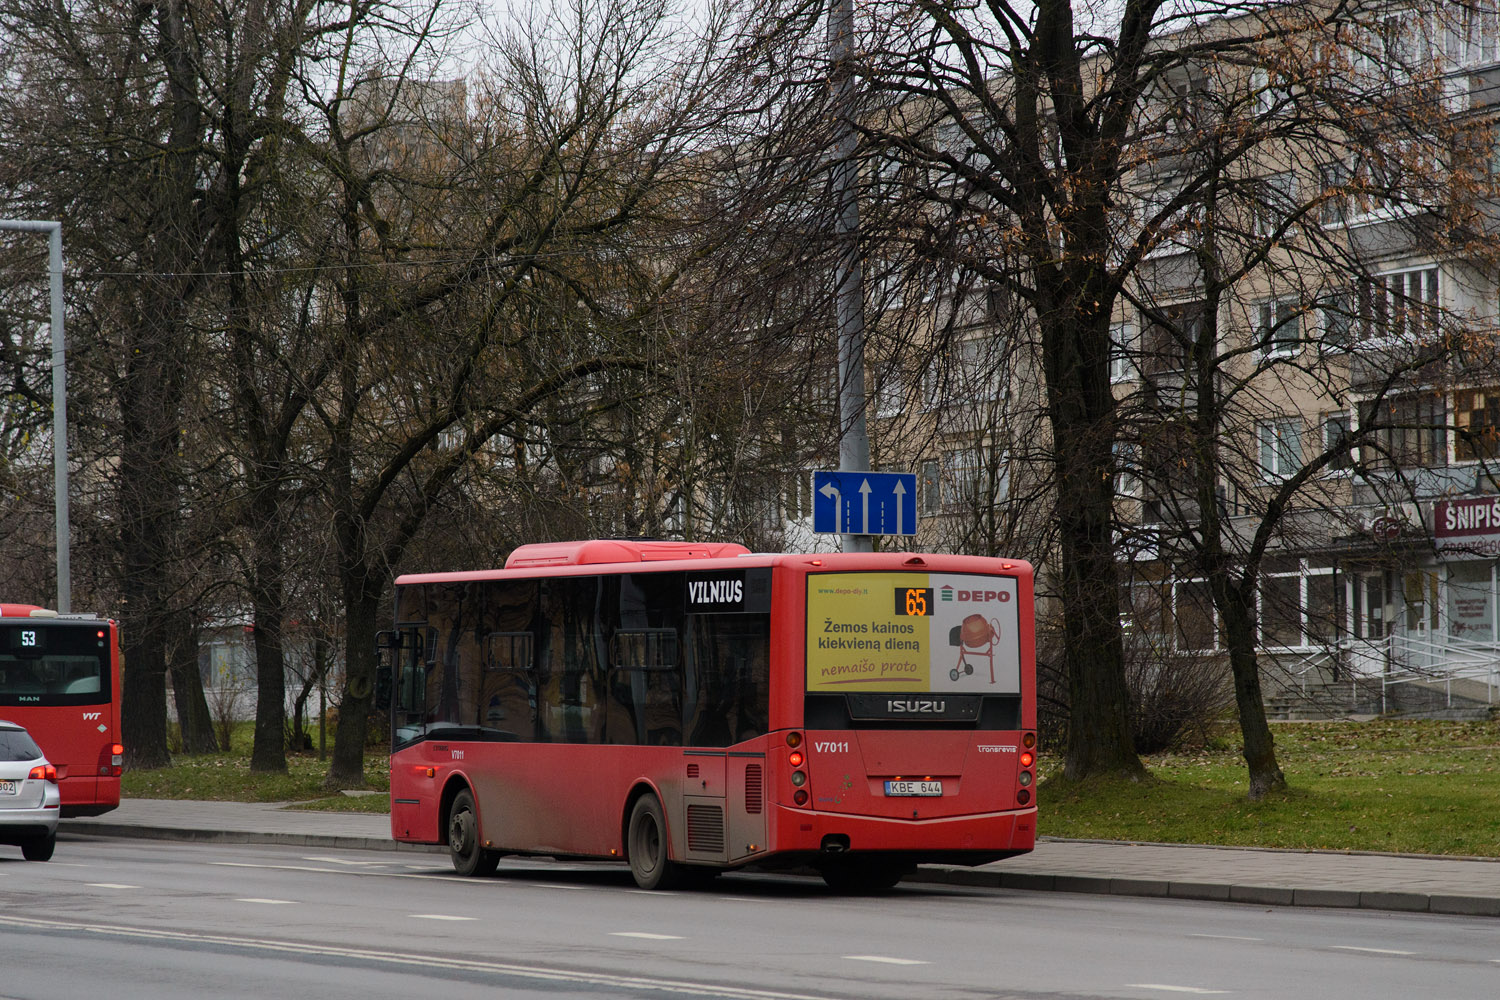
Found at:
<point>647,847</point>
<point>39,848</point>
<point>469,858</point>
<point>862,876</point>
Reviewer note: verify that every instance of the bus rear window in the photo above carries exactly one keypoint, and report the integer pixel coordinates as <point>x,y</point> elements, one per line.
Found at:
<point>53,666</point>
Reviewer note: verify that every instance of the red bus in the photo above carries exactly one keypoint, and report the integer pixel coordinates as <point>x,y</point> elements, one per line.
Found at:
<point>694,708</point>
<point>60,678</point>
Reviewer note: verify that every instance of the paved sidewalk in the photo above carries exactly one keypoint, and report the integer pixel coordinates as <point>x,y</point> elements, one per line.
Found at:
<point>1283,878</point>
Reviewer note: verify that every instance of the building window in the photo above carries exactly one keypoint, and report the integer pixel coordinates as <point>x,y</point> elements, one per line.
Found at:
<point>1301,603</point>
<point>1275,201</point>
<point>1195,616</point>
<point>1278,327</point>
<point>890,395</point>
<point>797,497</point>
<point>973,372</point>
<point>1402,305</point>
<point>1121,344</point>
<point>1333,179</point>
<point>1336,321</point>
<point>1405,431</point>
<point>1280,442</point>
<point>1167,336</point>
<point>932,487</point>
<point>1477,415</point>
<point>1336,440</point>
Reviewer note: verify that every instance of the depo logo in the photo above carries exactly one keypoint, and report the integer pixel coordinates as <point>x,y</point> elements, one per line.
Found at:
<point>949,594</point>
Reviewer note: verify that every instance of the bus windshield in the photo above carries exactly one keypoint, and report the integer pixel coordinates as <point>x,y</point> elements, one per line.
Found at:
<point>53,666</point>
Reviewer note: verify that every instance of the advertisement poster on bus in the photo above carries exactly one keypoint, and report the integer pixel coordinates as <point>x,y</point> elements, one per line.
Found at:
<point>930,632</point>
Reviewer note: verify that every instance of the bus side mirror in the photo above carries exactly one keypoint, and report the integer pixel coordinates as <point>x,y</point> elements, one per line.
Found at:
<point>387,648</point>
<point>383,690</point>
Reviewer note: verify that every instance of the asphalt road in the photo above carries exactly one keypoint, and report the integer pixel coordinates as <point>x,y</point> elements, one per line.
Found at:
<point>123,919</point>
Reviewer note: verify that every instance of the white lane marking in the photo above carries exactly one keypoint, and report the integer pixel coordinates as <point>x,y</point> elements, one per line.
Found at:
<point>1369,951</point>
<point>651,892</point>
<point>646,935</point>
<point>349,861</point>
<point>1172,989</point>
<point>1225,937</point>
<point>345,871</point>
<point>437,916</point>
<point>268,902</point>
<point>885,959</point>
<point>111,885</point>
<point>615,983</point>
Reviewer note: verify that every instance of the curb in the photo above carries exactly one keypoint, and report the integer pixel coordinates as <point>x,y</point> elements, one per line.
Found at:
<point>1218,892</point>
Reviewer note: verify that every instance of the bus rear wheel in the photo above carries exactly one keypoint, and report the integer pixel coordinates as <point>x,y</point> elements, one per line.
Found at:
<point>469,858</point>
<point>862,876</point>
<point>648,849</point>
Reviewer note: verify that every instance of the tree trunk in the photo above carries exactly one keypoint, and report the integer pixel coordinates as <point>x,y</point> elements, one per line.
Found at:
<point>361,606</point>
<point>1260,746</point>
<point>195,723</point>
<point>1075,352</point>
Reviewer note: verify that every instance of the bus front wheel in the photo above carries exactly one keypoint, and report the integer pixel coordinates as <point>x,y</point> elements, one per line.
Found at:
<point>469,858</point>
<point>647,847</point>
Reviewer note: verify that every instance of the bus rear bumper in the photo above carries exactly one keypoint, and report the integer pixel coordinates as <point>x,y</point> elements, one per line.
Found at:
<point>88,795</point>
<point>970,840</point>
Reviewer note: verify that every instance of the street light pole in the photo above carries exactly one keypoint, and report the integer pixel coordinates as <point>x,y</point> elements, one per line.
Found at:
<point>849,292</point>
<point>59,401</point>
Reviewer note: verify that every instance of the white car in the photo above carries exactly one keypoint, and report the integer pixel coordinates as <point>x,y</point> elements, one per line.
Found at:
<point>29,798</point>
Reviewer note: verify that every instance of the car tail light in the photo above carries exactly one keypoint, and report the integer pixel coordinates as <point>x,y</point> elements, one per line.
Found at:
<point>44,772</point>
<point>111,760</point>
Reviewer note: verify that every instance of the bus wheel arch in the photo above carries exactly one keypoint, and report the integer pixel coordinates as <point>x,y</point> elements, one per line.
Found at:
<point>460,819</point>
<point>648,845</point>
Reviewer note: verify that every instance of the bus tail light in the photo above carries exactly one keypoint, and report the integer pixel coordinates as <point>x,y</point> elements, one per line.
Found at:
<point>111,760</point>
<point>1023,796</point>
<point>794,740</point>
<point>44,772</point>
<point>800,796</point>
<point>1028,740</point>
<point>795,759</point>
<point>799,778</point>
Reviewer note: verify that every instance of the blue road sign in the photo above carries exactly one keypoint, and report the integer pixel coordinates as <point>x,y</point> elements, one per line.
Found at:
<point>865,503</point>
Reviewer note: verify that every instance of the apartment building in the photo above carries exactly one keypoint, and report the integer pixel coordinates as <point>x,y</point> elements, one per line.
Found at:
<point>1334,287</point>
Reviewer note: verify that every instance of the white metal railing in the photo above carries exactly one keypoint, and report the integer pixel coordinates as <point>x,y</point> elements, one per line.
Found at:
<point>1439,658</point>
<point>1420,658</point>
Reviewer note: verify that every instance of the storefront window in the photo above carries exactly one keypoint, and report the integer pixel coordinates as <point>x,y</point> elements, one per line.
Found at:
<point>1471,601</point>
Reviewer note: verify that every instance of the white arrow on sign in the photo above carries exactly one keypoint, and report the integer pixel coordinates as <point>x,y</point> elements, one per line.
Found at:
<point>900,491</point>
<point>832,493</point>
<point>864,494</point>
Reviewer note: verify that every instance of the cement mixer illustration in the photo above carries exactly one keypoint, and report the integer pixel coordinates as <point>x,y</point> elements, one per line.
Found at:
<point>976,638</point>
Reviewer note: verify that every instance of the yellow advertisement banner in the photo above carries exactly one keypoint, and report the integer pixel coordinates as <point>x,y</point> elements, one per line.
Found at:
<point>912,632</point>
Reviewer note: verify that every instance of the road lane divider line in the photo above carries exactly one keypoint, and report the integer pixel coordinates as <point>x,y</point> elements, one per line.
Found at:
<point>444,963</point>
<point>111,885</point>
<point>267,902</point>
<point>886,960</point>
<point>1369,951</point>
<point>438,916</point>
<point>1165,988</point>
<point>647,935</point>
<point>1225,937</point>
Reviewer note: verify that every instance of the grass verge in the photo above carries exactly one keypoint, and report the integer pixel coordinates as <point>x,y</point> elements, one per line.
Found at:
<point>1420,787</point>
<point>226,777</point>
